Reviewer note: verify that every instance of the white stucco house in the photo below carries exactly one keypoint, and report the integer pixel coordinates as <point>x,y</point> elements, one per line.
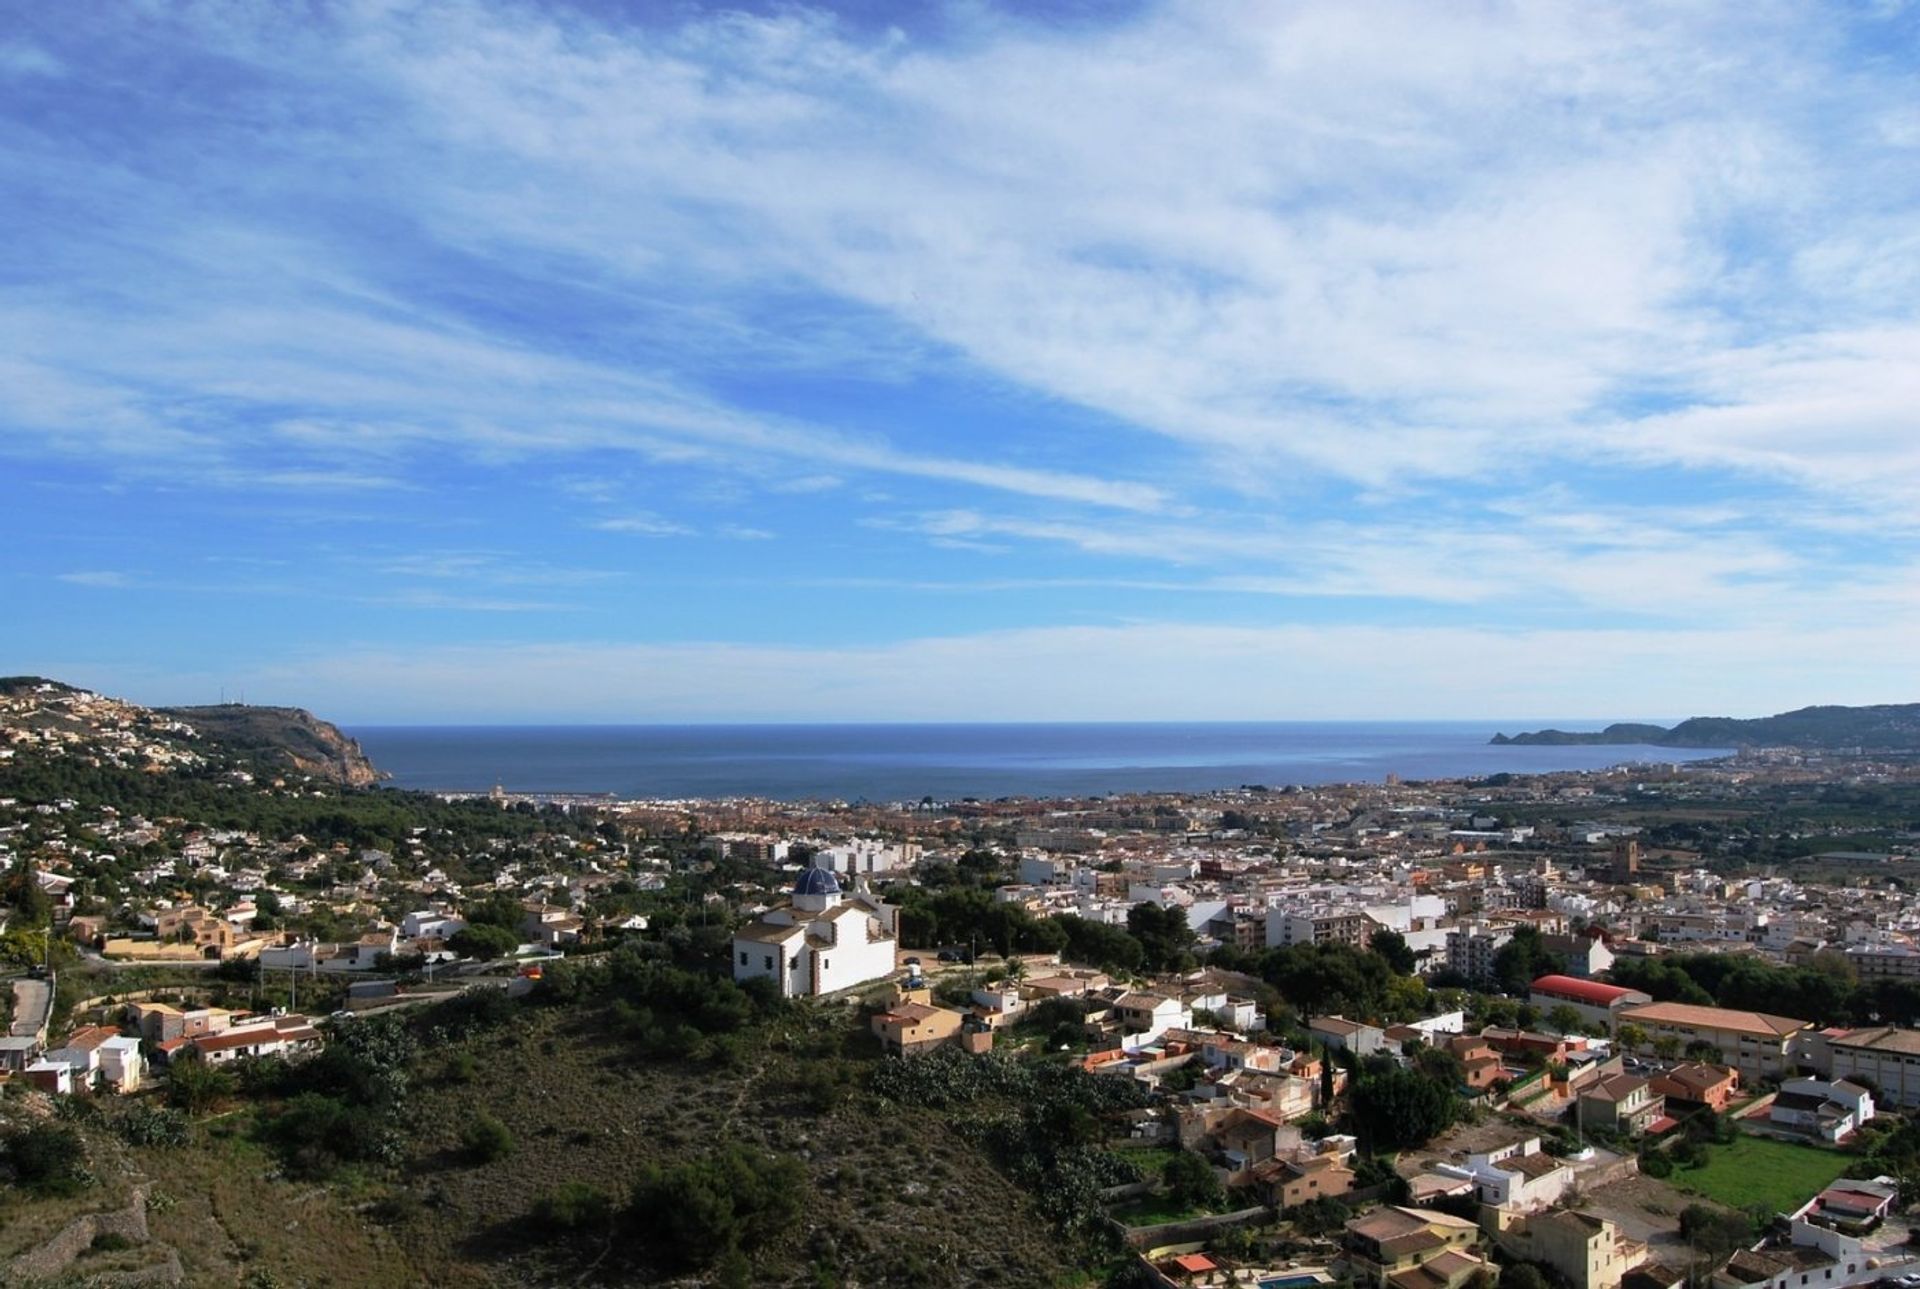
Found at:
<point>1145,1017</point>
<point>1830,1111</point>
<point>1519,1178</point>
<point>820,942</point>
<point>122,1065</point>
<point>432,922</point>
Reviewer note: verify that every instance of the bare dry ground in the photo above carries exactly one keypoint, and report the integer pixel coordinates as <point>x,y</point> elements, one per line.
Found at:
<point>1646,1209</point>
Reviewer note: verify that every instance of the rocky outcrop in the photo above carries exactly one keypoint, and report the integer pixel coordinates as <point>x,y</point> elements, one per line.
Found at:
<point>282,737</point>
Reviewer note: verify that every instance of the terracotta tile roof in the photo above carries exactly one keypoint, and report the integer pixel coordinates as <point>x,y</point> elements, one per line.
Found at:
<point>252,1035</point>
<point>1884,1038</point>
<point>768,932</point>
<point>1616,1088</point>
<point>1698,1077</point>
<point>1724,1018</point>
<point>89,1038</point>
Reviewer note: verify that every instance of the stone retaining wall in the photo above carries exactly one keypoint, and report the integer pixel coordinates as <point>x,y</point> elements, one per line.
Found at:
<point>58,1253</point>
<point>1194,1228</point>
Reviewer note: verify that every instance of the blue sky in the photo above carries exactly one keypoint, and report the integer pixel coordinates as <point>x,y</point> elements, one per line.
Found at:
<point>522,361</point>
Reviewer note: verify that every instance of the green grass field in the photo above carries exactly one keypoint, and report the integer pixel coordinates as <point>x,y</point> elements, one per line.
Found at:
<point>1756,1170</point>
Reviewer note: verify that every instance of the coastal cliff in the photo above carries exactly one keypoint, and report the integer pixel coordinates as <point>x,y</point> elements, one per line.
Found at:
<point>291,736</point>
<point>41,719</point>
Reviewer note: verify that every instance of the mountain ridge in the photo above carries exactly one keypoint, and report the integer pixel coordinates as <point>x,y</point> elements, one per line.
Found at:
<point>266,738</point>
<point>1881,727</point>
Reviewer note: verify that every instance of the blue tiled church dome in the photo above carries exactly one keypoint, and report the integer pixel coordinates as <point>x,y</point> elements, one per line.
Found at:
<point>817,881</point>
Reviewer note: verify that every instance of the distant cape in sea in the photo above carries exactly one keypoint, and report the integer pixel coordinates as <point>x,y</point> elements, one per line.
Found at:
<point>1887,727</point>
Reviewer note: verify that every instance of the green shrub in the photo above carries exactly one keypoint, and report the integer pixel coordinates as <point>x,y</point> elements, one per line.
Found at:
<point>712,1209</point>
<point>76,1109</point>
<point>1190,1180</point>
<point>317,1133</point>
<point>484,942</point>
<point>573,1206</point>
<point>195,1086</point>
<point>49,1159</point>
<point>151,1125</point>
<point>486,1139</point>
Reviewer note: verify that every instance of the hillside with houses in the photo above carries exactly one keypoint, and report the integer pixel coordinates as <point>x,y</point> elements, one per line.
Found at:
<point>1560,1030</point>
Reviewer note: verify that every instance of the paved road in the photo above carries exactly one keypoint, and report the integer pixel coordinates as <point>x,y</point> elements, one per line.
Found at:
<point>32,1000</point>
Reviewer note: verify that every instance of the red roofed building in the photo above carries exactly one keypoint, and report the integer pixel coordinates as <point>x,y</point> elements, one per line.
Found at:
<point>275,1036</point>
<point>1596,1002</point>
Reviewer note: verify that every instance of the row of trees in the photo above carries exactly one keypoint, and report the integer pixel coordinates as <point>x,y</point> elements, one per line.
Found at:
<point>1328,979</point>
<point>1824,991</point>
<point>1154,939</point>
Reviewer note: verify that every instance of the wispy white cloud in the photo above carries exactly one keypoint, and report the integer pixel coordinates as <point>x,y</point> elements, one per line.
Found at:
<point>1375,255</point>
<point>808,483</point>
<point>642,524</point>
<point>24,60</point>
<point>496,567</point>
<point>1517,314</point>
<point>105,578</point>
<point>1433,253</point>
<point>441,600</point>
<point>1664,563</point>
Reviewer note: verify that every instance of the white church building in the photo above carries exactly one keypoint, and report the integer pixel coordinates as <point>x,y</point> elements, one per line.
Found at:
<point>820,942</point>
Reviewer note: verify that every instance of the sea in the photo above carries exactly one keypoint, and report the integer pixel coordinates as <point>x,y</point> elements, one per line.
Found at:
<point>900,762</point>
